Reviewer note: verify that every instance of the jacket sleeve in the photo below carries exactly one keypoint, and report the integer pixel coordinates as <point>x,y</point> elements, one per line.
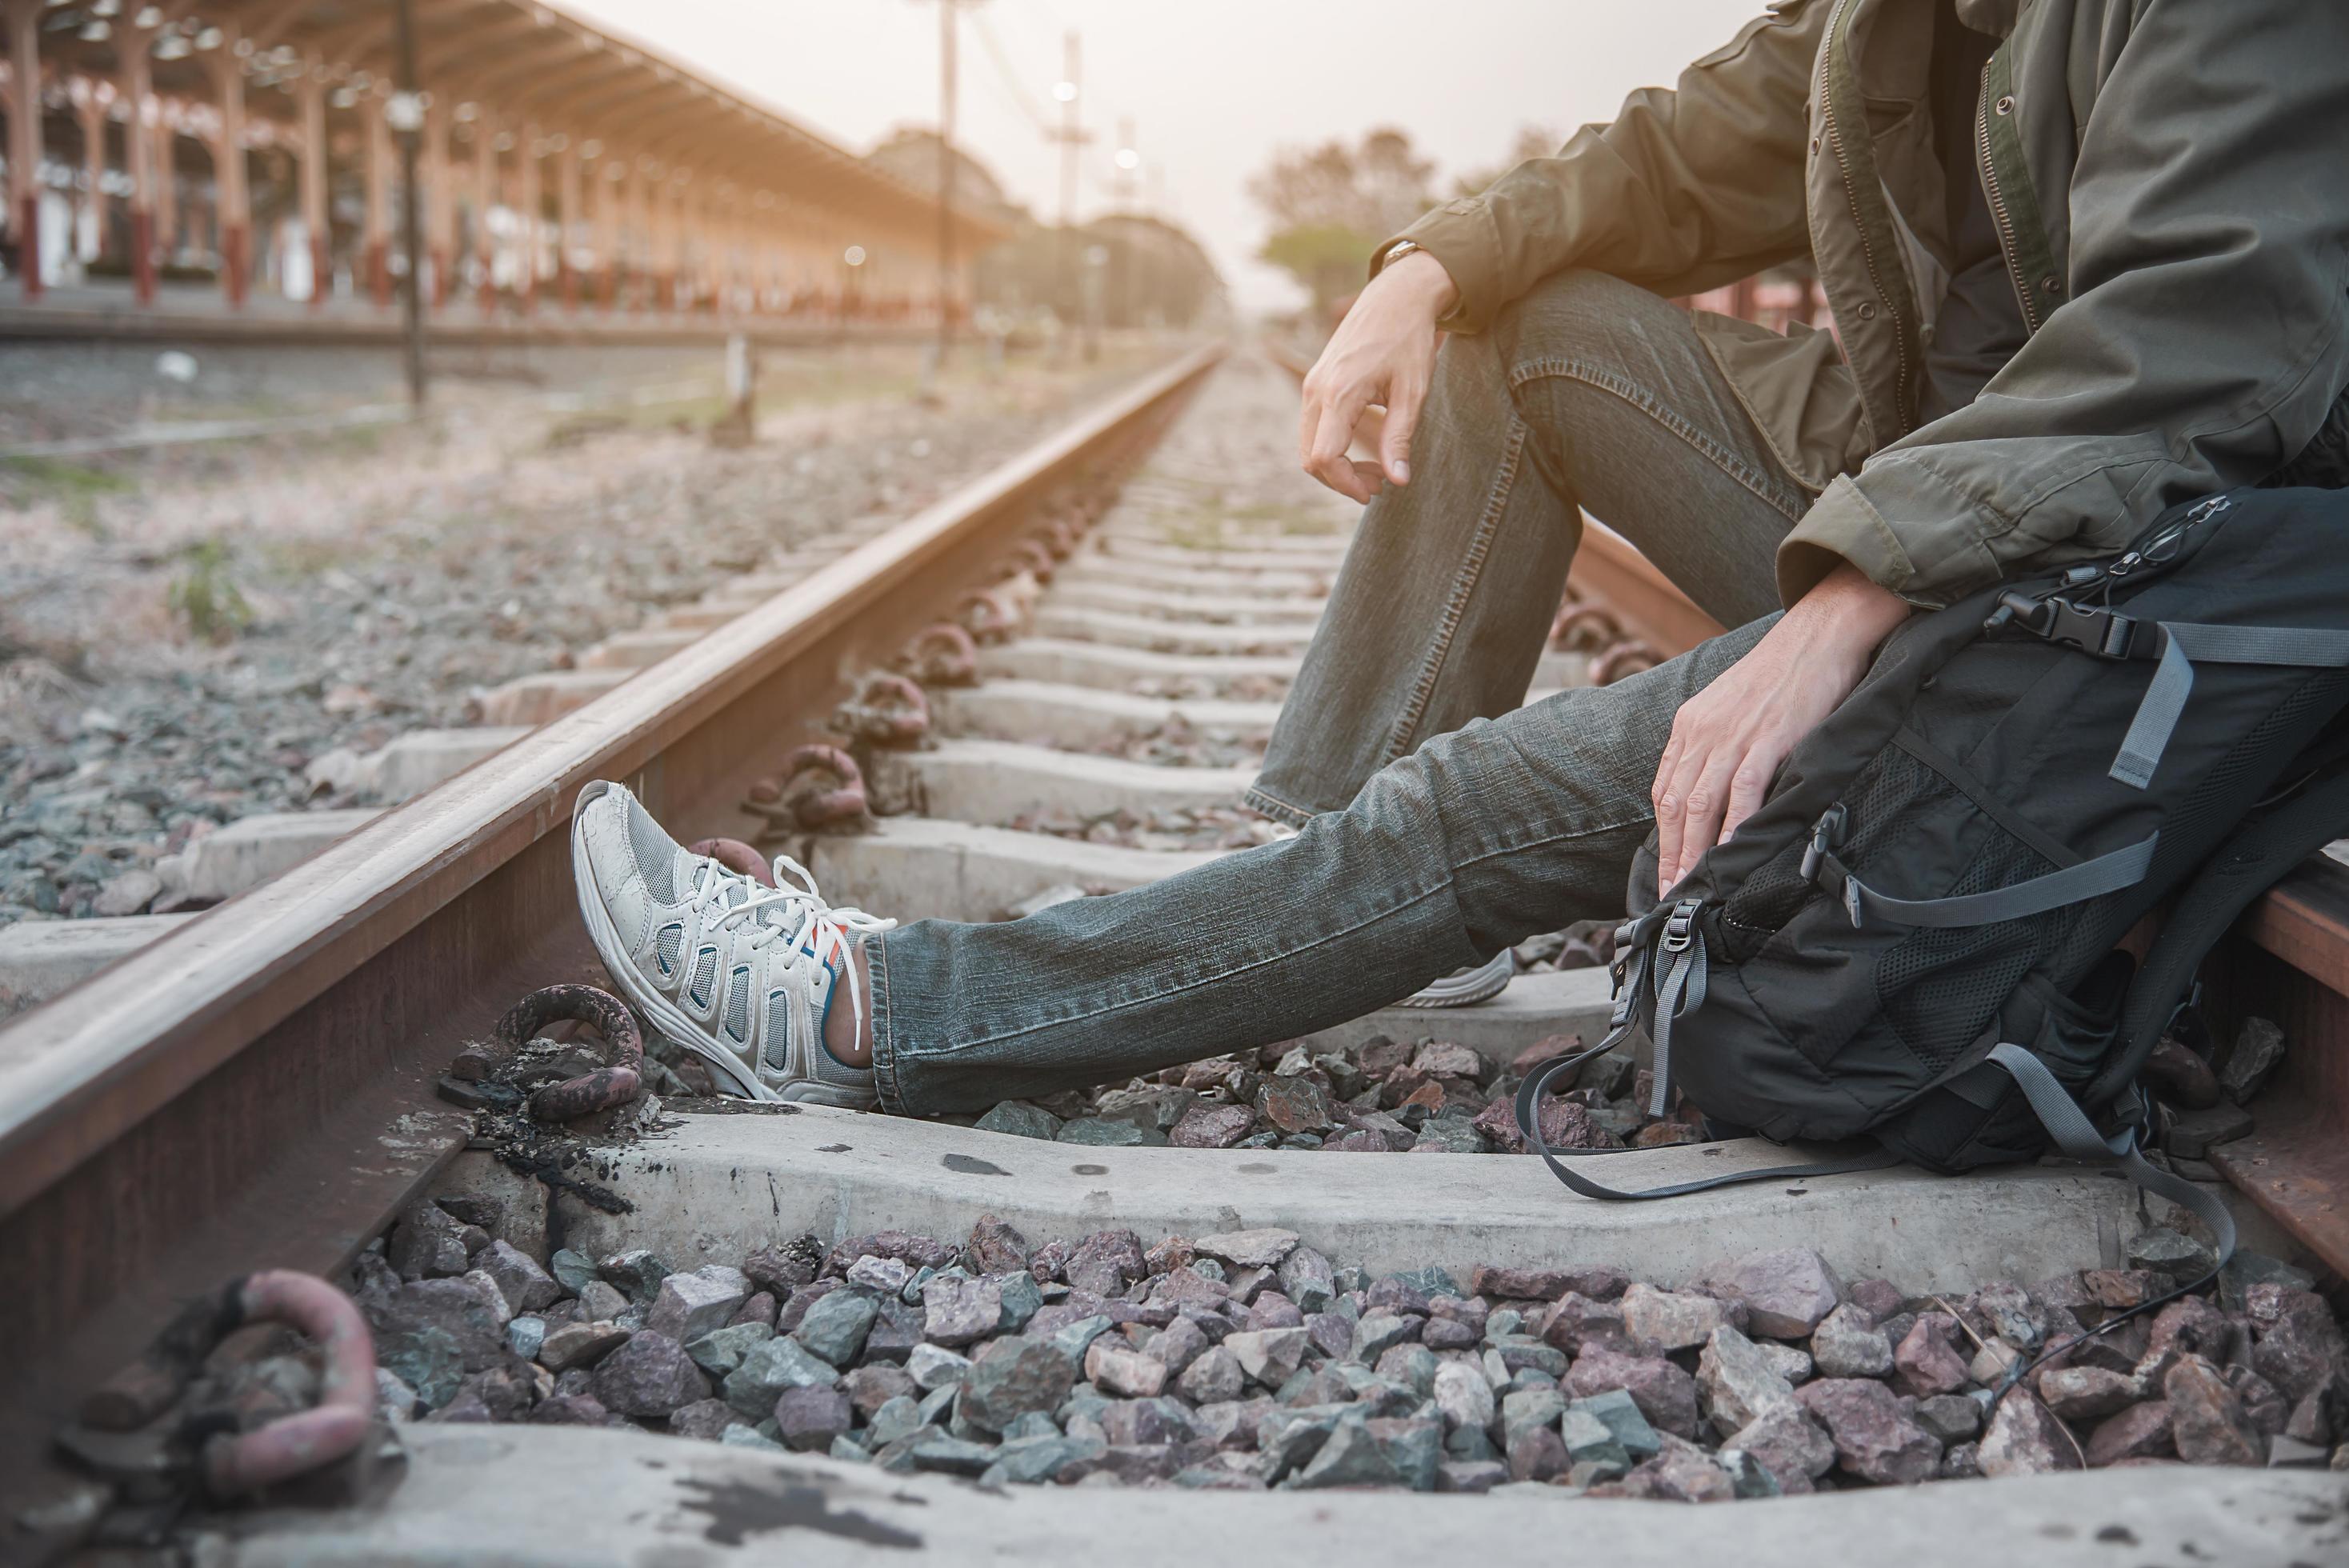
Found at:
<point>2202,338</point>
<point>1687,189</point>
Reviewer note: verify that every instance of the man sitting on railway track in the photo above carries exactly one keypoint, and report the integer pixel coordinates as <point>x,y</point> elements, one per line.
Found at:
<point>2086,259</point>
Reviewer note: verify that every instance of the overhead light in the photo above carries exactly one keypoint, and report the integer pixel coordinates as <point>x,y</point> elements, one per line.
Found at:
<point>854,255</point>
<point>1128,159</point>
<point>1065,91</point>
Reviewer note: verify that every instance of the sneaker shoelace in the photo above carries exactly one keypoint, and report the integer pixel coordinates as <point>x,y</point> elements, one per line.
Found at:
<point>792,912</point>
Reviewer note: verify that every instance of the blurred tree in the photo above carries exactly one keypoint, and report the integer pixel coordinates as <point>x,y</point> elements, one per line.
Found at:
<point>1533,141</point>
<point>1331,204</point>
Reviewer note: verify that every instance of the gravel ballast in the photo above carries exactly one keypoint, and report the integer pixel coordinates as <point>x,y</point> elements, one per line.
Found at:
<point>1248,1360</point>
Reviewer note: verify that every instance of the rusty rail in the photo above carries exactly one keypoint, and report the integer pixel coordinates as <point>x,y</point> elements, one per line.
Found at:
<point>255,1091</point>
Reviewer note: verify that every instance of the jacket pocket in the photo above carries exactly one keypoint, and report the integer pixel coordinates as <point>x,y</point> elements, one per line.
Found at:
<point>1796,388</point>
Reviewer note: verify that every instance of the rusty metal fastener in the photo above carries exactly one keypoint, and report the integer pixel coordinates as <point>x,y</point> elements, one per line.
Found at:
<point>1625,658</point>
<point>1061,536</point>
<point>822,787</point>
<point>734,856</point>
<point>887,710</point>
<point>602,1089</point>
<point>991,614</point>
<point>235,1464</point>
<point>1032,555</point>
<point>943,654</point>
<point>1586,628</point>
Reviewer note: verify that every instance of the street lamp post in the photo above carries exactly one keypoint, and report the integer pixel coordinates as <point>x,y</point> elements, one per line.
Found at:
<point>1070,136</point>
<point>852,259</point>
<point>405,114</point>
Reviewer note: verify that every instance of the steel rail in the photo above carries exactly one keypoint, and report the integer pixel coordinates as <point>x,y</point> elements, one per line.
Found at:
<point>255,1090</point>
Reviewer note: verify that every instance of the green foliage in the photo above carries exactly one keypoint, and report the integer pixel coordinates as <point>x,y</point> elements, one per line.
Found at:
<point>1329,260</point>
<point>75,488</point>
<point>1331,205</point>
<point>215,607</point>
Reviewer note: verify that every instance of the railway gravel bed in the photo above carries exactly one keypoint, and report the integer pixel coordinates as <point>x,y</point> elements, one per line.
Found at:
<point>1246,1359</point>
<point>183,639</point>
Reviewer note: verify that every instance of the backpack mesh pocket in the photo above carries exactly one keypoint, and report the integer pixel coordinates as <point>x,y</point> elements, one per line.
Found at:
<point>1891,789</point>
<point>1940,988</point>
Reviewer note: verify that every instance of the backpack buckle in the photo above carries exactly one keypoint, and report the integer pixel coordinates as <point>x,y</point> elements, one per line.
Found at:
<point>1826,836</point>
<point>1681,929</point>
<point>2106,634</point>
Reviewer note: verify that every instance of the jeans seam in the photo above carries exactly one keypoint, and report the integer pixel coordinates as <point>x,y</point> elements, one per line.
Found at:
<point>1261,799</point>
<point>884,1057</point>
<point>1498,851</point>
<point>1472,571</point>
<point>1220,977</point>
<point>1655,408</point>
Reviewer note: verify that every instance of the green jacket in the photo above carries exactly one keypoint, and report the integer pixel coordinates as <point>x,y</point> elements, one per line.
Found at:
<point>2170,183</point>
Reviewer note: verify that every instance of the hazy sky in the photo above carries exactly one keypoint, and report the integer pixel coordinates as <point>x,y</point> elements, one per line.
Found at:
<point>1212,86</point>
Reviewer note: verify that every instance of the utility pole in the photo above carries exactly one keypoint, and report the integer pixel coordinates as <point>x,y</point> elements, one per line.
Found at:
<point>1155,279</point>
<point>1070,136</point>
<point>950,19</point>
<point>1129,159</point>
<point>405,113</point>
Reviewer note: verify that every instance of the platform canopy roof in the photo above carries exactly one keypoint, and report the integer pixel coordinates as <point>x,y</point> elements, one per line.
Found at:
<point>520,61</point>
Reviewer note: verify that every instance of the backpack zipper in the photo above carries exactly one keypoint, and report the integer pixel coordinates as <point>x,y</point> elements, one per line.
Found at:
<point>2055,613</point>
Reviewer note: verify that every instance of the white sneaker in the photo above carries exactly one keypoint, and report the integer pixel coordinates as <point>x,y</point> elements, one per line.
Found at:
<point>1464,988</point>
<point>736,971</point>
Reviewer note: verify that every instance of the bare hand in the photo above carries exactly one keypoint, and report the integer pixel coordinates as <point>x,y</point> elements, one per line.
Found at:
<point>1729,739</point>
<point>1382,353</point>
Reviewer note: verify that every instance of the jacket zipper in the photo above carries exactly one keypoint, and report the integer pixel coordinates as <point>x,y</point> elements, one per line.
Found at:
<point>1999,217</point>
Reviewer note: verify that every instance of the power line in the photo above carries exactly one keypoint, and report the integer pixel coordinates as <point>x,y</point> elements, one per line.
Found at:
<point>1010,78</point>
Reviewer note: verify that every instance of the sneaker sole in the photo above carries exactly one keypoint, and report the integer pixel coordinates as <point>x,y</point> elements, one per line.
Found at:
<point>1487,982</point>
<point>666,1016</point>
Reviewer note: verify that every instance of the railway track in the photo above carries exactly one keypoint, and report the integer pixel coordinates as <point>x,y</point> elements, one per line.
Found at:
<point>258,1089</point>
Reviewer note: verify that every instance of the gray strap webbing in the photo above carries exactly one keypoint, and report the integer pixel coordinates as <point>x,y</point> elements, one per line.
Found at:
<point>1528,1107</point>
<point>2187,643</point>
<point>2090,879</point>
<point>2157,715</point>
<point>2313,648</point>
<point>2076,1136</point>
<point>1679,988</point>
<point>2057,1111</point>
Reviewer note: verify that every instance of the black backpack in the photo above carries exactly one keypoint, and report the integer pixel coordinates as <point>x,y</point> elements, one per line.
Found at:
<point>1914,940</point>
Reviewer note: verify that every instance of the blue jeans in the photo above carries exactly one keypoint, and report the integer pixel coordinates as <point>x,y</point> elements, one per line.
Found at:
<point>1436,825</point>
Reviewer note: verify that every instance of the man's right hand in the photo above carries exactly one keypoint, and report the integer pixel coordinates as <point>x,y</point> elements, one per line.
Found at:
<point>1383,353</point>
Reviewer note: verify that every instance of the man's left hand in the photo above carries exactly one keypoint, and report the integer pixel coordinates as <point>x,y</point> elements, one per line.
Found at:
<point>1729,739</point>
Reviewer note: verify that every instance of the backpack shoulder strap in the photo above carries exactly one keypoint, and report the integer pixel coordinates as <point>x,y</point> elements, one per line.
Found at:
<point>2244,866</point>
<point>2076,1136</point>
